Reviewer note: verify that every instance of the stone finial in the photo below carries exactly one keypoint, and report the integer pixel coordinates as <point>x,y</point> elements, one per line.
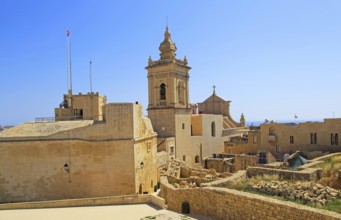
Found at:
<point>185,60</point>
<point>150,60</point>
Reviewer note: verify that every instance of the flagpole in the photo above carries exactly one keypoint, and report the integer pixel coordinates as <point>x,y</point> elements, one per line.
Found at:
<point>70,70</point>
<point>90,75</point>
<point>67,60</point>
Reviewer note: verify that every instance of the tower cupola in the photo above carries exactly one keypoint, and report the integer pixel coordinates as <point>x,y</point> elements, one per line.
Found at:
<point>167,47</point>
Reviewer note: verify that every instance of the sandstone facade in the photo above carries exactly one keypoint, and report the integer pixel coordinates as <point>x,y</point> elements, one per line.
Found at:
<point>79,159</point>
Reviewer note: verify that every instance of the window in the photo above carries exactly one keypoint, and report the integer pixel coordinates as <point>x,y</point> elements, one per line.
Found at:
<point>162,91</point>
<point>272,131</point>
<point>334,139</point>
<point>291,139</point>
<point>184,157</point>
<point>313,138</point>
<point>78,113</point>
<point>183,125</point>
<point>277,148</point>
<point>213,129</point>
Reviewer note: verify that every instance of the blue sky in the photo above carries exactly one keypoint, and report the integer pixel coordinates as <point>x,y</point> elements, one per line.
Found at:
<point>271,58</point>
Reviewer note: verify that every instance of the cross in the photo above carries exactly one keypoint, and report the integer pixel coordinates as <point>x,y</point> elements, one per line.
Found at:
<point>214,88</point>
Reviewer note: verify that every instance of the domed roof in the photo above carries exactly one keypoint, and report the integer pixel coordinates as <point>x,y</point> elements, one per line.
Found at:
<point>167,47</point>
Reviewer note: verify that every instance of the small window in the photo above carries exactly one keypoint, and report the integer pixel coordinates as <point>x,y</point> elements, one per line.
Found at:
<point>277,148</point>
<point>292,139</point>
<point>184,157</point>
<point>313,138</point>
<point>183,125</point>
<point>213,129</point>
<point>336,141</point>
<point>162,91</point>
<point>332,139</point>
<point>197,159</point>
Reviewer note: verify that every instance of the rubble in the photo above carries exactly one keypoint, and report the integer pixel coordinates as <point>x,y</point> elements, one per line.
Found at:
<point>308,192</point>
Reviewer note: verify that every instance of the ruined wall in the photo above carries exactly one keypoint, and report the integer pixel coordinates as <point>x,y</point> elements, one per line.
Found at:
<point>309,174</point>
<point>222,203</point>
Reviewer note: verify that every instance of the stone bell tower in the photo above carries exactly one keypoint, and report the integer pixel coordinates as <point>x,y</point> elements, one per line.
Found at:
<point>168,91</point>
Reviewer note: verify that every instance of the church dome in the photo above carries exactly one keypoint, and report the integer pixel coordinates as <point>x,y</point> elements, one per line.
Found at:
<point>167,47</point>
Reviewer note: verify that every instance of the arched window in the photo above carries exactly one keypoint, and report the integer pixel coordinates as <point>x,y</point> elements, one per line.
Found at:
<point>213,129</point>
<point>162,91</point>
<point>336,136</point>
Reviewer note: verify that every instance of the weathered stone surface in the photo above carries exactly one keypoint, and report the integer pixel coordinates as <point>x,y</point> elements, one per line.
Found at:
<point>304,191</point>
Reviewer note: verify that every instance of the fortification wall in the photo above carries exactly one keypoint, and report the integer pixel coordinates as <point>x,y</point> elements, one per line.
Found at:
<point>309,174</point>
<point>222,203</point>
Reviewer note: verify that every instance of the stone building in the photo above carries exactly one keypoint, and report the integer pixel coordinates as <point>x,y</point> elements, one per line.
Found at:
<point>81,106</point>
<point>286,138</point>
<point>79,158</point>
<point>183,133</point>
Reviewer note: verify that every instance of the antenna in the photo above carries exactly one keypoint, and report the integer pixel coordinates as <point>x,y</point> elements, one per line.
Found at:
<point>90,75</point>
<point>70,71</point>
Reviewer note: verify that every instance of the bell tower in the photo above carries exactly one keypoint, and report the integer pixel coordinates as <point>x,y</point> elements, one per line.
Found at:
<point>168,88</point>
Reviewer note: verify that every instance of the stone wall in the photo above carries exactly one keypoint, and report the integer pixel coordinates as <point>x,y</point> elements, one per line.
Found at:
<point>222,203</point>
<point>309,174</point>
<point>109,158</point>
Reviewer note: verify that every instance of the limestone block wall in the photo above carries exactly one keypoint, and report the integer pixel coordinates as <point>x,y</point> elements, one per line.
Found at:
<point>309,174</point>
<point>146,176</point>
<point>34,170</point>
<point>163,118</point>
<point>222,203</point>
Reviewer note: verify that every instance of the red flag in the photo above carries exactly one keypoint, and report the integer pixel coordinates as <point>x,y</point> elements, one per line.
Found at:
<point>67,33</point>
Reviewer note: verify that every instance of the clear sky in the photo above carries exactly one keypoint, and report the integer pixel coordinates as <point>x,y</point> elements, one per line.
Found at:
<point>271,58</point>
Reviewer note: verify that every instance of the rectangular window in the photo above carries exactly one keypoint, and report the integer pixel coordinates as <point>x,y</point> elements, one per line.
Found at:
<point>313,138</point>
<point>332,139</point>
<point>184,157</point>
<point>277,148</point>
<point>183,125</point>
<point>336,141</point>
<point>291,139</point>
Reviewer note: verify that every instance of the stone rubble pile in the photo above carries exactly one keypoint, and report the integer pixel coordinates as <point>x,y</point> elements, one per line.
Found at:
<point>191,178</point>
<point>307,192</point>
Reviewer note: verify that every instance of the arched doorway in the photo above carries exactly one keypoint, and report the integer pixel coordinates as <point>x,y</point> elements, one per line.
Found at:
<point>185,208</point>
<point>197,159</point>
